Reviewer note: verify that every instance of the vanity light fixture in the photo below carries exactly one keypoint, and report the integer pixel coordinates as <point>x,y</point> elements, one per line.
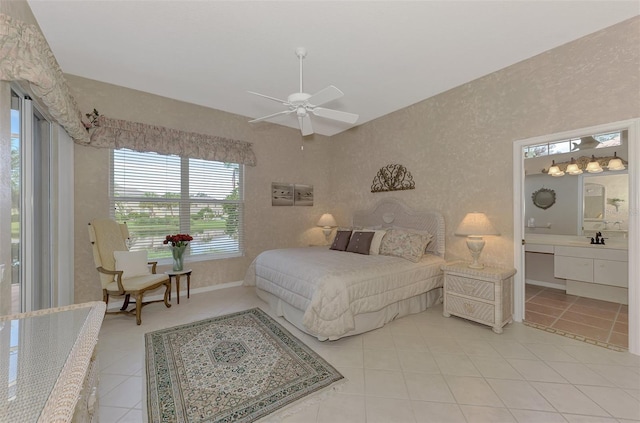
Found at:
<point>474,226</point>
<point>554,170</point>
<point>328,222</point>
<point>615,163</point>
<point>573,169</point>
<point>591,164</point>
<point>594,166</point>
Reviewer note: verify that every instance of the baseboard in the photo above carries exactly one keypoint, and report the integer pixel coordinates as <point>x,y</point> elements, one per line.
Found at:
<point>183,293</point>
<point>546,284</point>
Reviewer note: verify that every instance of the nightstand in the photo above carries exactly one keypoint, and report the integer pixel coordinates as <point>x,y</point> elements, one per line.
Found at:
<point>482,295</point>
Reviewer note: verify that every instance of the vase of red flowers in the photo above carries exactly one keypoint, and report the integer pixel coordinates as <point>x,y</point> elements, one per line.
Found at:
<point>179,243</point>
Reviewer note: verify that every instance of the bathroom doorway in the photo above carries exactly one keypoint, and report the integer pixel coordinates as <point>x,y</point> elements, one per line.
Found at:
<point>551,302</point>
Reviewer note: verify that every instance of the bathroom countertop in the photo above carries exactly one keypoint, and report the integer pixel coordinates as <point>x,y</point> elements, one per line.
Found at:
<point>576,241</point>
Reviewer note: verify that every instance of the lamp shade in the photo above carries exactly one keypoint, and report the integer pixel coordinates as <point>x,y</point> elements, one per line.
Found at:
<point>594,166</point>
<point>554,170</point>
<point>573,168</point>
<point>476,224</point>
<point>615,163</point>
<point>327,221</point>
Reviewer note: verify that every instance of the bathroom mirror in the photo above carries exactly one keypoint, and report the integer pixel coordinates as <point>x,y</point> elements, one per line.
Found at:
<point>544,198</point>
<point>605,204</point>
<point>593,199</point>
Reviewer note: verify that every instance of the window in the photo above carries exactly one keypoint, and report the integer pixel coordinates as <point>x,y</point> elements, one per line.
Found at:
<point>159,195</point>
<point>609,139</point>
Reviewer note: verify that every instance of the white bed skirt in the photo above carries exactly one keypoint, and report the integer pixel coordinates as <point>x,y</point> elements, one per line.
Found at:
<point>363,322</point>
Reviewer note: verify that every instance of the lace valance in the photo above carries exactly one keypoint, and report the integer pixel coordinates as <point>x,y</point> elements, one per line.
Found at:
<point>25,56</point>
<point>115,133</point>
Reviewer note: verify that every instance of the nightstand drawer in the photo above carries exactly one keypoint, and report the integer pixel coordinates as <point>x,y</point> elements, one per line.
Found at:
<point>471,287</point>
<point>474,309</point>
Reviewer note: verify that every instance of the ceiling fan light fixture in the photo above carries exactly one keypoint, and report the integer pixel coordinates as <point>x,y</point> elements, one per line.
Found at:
<point>302,104</point>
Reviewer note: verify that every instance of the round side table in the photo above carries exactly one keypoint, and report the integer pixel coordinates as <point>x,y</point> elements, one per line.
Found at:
<point>177,274</point>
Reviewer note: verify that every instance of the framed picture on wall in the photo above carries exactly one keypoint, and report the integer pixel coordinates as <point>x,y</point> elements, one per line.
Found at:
<point>281,194</point>
<point>303,195</point>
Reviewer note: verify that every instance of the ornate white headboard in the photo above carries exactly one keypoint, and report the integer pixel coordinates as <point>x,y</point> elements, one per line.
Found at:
<point>391,212</point>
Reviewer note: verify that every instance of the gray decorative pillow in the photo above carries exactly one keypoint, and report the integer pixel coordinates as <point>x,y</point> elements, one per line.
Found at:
<point>360,242</point>
<point>404,243</point>
<point>341,241</point>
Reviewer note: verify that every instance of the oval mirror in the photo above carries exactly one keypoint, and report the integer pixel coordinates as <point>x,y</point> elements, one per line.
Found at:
<point>544,198</point>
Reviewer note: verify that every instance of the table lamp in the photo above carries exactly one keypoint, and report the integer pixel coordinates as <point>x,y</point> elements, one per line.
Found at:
<point>474,226</point>
<point>328,223</point>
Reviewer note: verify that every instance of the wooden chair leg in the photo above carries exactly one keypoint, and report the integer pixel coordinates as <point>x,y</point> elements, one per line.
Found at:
<point>167,294</point>
<point>105,297</point>
<point>138,308</point>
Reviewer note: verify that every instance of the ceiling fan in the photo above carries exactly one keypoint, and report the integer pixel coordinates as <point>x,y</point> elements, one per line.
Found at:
<point>303,104</point>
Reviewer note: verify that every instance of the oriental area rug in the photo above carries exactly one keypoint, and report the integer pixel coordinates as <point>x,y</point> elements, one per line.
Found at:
<point>239,367</point>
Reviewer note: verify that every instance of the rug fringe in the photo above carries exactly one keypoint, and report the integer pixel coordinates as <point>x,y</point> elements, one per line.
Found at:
<point>304,403</point>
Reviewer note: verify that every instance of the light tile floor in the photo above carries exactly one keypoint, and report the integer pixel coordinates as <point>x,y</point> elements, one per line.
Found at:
<point>421,368</point>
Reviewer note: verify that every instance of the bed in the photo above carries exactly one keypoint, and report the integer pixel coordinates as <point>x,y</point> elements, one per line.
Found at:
<point>331,294</point>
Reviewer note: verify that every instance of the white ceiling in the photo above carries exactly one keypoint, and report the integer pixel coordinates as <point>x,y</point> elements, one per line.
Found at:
<point>383,55</point>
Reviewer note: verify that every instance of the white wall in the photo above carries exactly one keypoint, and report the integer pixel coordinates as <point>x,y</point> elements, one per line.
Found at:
<point>564,215</point>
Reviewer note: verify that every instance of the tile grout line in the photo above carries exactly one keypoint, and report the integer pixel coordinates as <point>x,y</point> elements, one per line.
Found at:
<point>564,311</point>
<point>613,324</point>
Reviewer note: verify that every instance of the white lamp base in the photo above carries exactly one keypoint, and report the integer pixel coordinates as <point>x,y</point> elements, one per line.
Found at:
<point>475,245</point>
<point>327,232</point>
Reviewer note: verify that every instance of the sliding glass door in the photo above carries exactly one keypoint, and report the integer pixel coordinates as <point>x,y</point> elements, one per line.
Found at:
<point>29,270</point>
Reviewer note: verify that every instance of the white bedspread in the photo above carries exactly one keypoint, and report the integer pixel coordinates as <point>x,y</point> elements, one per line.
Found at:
<point>334,286</point>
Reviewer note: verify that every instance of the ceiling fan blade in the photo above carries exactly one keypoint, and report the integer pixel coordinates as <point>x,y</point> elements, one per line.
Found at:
<point>324,96</point>
<point>286,103</point>
<point>286,112</point>
<point>335,115</point>
<point>305,125</point>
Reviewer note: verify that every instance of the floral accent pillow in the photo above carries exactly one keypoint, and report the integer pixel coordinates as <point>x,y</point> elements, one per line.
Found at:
<point>405,243</point>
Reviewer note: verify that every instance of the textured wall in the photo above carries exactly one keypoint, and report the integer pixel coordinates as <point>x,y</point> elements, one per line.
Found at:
<point>458,144</point>
<point>279,156</point>
<point>18,9</point>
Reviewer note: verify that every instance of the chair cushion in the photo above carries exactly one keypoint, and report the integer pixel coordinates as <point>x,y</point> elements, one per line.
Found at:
<point>138,283</point>
<point>132,263</point>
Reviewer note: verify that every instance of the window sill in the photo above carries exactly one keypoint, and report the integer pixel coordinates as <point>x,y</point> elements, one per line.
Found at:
<point>200,257</point>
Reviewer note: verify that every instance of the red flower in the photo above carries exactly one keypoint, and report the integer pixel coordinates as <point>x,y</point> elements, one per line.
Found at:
<point>178,240</point>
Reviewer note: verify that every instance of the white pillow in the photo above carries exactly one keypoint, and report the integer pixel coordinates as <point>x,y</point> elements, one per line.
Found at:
<point>374,249</point>
<point>132,263</point>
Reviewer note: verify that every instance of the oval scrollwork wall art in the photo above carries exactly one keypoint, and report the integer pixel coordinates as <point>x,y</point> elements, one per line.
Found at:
<point>393,177</point>
<point>544,198</point>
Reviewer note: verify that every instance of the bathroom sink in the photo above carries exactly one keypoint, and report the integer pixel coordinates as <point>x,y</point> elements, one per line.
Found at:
<point>584,243</point>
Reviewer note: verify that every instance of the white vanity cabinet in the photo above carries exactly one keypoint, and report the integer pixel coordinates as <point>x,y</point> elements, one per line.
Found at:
<point>593,272</point>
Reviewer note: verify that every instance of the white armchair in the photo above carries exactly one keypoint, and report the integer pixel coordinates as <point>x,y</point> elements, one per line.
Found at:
<point>123,272</point>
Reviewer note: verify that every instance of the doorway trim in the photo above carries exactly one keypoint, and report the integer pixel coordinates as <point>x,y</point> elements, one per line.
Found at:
<point>633,126</point>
